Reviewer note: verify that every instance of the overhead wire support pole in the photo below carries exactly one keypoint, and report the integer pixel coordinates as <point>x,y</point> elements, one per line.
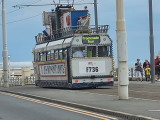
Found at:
<point>151,43</point>
<point>96,15</point>
<point>5,52</point>
<point>123,81</point>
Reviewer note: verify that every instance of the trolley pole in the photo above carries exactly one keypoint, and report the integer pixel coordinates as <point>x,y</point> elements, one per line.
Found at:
<point>123,81</point>
<point>151,43</point>
<point>96,15</point>
<point>4,52</point>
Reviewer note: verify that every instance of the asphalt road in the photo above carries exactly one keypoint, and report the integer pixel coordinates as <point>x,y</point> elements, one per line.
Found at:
<point>14,107</point>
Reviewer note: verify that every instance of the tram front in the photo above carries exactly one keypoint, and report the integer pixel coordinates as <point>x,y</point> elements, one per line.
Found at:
<point>91,61</point>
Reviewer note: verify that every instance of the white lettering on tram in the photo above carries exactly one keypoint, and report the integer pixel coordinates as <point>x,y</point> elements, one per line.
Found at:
<point>52,69</point>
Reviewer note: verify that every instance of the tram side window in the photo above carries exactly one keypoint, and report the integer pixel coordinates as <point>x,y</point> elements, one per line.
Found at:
<point>60,54</point>
<point>41,56</point>
<point>109,51</point>
<point>56,54</point>
<point>48,56</point>
<point>64,53</point>
<point>36,56</point>
<point>52,55</point>
<point>91,51</point>
<point>44,56</point>
<point>104,51</point>
<point>78,52</point>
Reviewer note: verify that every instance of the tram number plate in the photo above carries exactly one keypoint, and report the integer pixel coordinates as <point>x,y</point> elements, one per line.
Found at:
<point>91,69</point>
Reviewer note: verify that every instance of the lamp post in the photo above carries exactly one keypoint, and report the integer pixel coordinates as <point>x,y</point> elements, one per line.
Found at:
<point>123,81</point>
<point>151,42</point>
<point>5,52</point>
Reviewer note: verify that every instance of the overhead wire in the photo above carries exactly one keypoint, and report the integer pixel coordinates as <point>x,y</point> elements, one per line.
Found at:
<point>34,15</point>
<point>23,19</point>
<point>20,7</point>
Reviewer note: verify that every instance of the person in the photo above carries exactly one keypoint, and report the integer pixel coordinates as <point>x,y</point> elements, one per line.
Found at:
<point>138,70</point>
<point>145,64</point>
<point>156,69</point>
<point>78,53</point>
<point>147,72</point>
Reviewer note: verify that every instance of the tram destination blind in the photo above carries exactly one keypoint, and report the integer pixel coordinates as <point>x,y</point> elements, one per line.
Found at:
<point>91,39</point>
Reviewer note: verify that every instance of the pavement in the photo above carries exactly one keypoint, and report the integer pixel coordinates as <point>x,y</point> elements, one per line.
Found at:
<point>131,109</point>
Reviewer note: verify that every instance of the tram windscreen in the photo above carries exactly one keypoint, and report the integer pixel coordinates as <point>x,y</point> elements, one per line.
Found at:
<point>78,52</point>
<point>91,51</point>
<point>104,51</point>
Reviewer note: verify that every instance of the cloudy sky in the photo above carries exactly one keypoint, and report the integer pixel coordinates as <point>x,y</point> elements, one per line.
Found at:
<point>26,22</point>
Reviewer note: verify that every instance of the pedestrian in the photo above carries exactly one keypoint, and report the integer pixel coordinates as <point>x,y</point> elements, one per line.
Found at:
<point>145,64</point>
<point>147,72</point>
<point>156,68</point>
<point>138,70</point>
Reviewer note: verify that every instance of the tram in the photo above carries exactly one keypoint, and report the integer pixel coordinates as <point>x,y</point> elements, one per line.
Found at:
<point>71,53</point>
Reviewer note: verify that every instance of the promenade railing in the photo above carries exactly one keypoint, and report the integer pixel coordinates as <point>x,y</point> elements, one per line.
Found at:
<point>30,80</point>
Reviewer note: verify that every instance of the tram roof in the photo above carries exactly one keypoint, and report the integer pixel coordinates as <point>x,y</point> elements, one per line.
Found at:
<point>63,43</point>
<point>40,47</point>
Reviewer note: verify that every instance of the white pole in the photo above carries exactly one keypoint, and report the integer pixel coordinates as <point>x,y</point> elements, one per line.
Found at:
<point>5,52</point>
<point>122,51</point>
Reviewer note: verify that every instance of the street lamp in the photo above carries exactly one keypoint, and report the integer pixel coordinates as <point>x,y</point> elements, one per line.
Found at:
<point>123,81</point>
<point>5,52</point>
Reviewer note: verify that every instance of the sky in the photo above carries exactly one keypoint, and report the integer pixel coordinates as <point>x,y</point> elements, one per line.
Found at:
<point>24,23</point>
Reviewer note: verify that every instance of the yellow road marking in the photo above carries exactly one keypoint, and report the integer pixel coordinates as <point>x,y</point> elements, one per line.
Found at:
<point>92,114</point>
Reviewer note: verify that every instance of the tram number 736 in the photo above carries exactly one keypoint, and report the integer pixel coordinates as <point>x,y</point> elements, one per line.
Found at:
<point>91,69</point>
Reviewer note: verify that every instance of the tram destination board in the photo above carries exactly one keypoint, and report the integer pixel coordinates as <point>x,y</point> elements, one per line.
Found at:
<point>91,39</point>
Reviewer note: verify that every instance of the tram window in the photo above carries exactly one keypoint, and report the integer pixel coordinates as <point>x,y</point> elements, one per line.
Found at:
<point>44,56</point>
<point>78,51</point>
<point>64,54</point>
<point>41,56</point>
<point>104,51</point>
<point>48,56</point>
<point>52,55</point>
<point>35,57</point>
<point>91,51</point>
<point>109,51</point>
<point>60,54</point>
<point>56,54</point>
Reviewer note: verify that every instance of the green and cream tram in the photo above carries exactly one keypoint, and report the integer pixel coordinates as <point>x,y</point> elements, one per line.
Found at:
<point>79,60</point>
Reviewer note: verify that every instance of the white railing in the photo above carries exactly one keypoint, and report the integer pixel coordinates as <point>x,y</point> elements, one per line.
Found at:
<point>18,81</point>
<point>131,73</point>
<point>30,80</point>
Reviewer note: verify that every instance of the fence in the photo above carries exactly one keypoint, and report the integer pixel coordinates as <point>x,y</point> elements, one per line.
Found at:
<point>131,73</point>
<point>30,80</point>
<point>18,81</point>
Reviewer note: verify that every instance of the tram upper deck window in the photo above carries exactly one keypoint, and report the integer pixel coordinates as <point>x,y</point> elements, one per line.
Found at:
<point>78,52</point>
<point>91,51</point>
<point>52,55</point>
<point>103,51</point>
<point>36,56</point>
<point>48,56</point>
<point>56,54</point>
<point>60,54</point>
<point>64,53</point>
<point>41,56</point>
